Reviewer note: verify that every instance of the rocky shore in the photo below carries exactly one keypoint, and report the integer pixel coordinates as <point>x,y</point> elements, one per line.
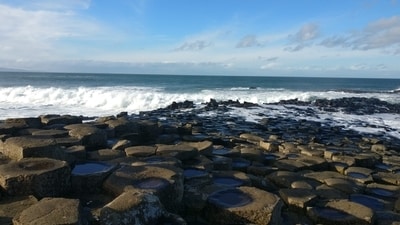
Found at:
<point>195,165</point>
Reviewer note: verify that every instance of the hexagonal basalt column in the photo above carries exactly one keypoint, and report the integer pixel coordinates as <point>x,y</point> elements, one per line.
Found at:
<point>52,211</point>
<point>341,211</point>
<point>18,148</point>
<point>88,177</point>
<point>244,205</point>
<point>166,182</point>
<point>42,177</point>
<point>133,207</point>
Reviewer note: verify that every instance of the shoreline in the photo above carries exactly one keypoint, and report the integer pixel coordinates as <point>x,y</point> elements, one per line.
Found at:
<point>184,162</point>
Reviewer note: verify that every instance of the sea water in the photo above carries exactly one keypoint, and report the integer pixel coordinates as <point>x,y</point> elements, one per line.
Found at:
<point>25,94</point>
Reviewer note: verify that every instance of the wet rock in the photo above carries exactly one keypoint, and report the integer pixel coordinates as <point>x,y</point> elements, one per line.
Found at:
<point>41,177</point>
<point>242,206</point>
<point>52,211</point>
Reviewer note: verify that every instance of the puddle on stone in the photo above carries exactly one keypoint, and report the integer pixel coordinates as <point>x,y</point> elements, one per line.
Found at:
<point>154,160</point>
<point>222,151</point>
<point>382,166</point>
<point>292,156</point>
<point>152,183</point>
<point>193,173</point>
<point>368,201</point>
<point>270,156</point>
<point>228,181</point>
<point>237,163</point>
<point>357,175</point>
<point>381,192</point>
<point>230,198</point>
<point>91,168</point>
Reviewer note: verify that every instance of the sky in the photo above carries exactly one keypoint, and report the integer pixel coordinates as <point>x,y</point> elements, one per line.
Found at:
<point>332,38</point>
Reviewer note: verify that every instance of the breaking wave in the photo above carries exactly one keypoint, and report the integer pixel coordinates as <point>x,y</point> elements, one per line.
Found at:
<point>97,101</point>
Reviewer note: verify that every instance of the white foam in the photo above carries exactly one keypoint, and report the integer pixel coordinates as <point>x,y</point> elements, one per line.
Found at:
<point>382,123</point>
<point>97,101</point>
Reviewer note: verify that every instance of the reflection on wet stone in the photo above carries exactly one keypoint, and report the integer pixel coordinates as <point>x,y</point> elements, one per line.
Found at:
<point>230,198</point>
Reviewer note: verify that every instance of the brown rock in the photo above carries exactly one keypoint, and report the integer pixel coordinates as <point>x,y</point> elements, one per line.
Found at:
<point>42,177</point>
<point>50,211</point>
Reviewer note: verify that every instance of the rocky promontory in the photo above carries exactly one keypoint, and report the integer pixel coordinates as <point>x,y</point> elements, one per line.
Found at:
<point>195,165</point>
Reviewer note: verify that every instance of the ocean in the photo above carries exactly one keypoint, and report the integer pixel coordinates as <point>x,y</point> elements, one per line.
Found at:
<point>25,94</point>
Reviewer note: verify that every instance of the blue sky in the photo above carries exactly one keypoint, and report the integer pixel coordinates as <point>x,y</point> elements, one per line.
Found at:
<point>341,38</point>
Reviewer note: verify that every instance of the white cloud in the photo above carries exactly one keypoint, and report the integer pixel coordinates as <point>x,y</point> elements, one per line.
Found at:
<point>37,34</point>
<point>248,41</point>
<point>193,46</point>
<point>383,34</point>
<point>303,37</point>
